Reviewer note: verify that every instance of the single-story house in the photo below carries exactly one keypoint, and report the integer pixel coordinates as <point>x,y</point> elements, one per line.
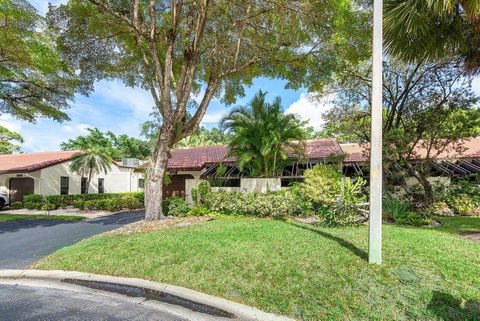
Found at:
<point>48,173</point>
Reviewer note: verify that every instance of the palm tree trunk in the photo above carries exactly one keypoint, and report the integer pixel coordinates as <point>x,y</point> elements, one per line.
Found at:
<point>88,180</point>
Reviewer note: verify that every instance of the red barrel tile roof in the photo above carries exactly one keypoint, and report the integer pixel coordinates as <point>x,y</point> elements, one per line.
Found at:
<point>23,163</point>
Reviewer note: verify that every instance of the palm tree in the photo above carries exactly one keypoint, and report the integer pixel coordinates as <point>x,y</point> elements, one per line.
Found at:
<point>262,136</point>
<point>92,160</point>
<point>434,29</point>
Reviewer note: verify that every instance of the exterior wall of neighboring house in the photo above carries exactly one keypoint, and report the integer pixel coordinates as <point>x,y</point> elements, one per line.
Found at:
<point>47,180</point>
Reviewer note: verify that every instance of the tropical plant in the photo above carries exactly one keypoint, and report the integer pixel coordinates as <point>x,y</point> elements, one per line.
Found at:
<point>434,29</point>
<point>393,208</point>
<point>91,161</point>
<point>263,138</point>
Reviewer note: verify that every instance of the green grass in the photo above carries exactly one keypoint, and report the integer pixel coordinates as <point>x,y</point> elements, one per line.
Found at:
<point>458,224</point>
<point>305,272</point>
<point>20,217</point>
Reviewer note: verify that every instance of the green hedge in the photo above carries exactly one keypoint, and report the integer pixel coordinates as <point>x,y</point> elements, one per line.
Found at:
<point>103,201</point>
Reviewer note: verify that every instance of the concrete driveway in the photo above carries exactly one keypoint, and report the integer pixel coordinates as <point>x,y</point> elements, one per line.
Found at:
<point>24,242</point>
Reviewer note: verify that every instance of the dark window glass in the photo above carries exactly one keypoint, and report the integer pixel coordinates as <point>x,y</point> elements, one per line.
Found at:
<point>64,184</point>
<point>141,183</point>
<point>233,182</point>
<point>83,187</point>
<point>287,182</point>
<point>101,188</point>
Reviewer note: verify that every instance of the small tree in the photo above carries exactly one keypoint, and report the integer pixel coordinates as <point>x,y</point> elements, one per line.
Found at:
<point>429,109</point>
<point>263,137</point>
<point>89,162</point>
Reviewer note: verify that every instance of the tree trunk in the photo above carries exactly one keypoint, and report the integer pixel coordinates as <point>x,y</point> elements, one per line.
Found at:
<point>154,190</point>
<point>427,187</point>
<point>88,180</point>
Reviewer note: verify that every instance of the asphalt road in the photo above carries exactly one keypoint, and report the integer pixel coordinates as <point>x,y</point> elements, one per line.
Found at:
<point>24,242</point>
<point>39,303</point>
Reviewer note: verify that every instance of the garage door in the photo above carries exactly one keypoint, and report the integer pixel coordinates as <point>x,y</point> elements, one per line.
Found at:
<point>176,186</point>
<point>20,187</point>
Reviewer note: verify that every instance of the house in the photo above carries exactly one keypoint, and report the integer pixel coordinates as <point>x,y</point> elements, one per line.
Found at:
<point>48,173</point>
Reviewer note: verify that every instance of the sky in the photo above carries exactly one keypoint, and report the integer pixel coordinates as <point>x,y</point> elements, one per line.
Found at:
<point>120,109</point>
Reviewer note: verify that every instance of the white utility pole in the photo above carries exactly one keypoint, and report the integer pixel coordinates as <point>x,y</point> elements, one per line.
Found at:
<point>376,170</point>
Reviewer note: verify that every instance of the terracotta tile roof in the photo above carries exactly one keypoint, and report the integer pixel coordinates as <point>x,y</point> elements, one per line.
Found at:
<point>22,163</point>
<point>196,158</point>
<point>470,148</point>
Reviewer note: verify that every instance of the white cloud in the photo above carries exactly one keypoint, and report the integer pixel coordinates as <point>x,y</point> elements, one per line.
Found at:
<point>77,129</point>
<point>42,5</point>
<point>476,85</point>
<point>10,123</point>
<point>213,117</point>
<point>311,109</point>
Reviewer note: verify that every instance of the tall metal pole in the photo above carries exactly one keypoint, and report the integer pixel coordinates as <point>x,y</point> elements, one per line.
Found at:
<point>376,176</point>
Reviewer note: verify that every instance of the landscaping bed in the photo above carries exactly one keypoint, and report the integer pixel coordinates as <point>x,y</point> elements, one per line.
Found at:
<point>7,217</point>
<point>299,270</point>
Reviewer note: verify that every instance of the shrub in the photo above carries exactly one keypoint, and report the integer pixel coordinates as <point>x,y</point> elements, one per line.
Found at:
<point>33,198</point>
<point>33,206</point>
<point>322,184</point>
<point>175,206</point>
<point>394,208</point>
<point>16,205</point>
<point>79,204</point>
<point>48,207</point>
<point>414,218</point>
<point>273,204</point>
<point>199,211</point>
<point>464,204</point>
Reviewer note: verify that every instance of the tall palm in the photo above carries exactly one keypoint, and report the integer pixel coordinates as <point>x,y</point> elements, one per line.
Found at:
<point>92,160</point>
<point>262,136</point>
<point>434,29</point>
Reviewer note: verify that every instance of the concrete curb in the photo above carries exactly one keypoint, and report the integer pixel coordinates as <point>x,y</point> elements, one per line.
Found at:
<point>240,310</point>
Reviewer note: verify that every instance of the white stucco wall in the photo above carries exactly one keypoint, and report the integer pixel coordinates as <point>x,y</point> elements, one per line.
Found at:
<point>47,180</point>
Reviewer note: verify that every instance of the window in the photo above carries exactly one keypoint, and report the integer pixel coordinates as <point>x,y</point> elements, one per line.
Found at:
<point>64,184</point>
<point>224,182</point>
<point>83,187</point>
<point>141,183</point>
<point>101,187</point>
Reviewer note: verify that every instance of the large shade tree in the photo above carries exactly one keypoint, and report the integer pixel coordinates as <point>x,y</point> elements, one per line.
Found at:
<point>429,109</point>
<point>9,141</point>
<point>208,47</point>
<point>263,138</point>
<point>434,29</point>
<point>34,80</point>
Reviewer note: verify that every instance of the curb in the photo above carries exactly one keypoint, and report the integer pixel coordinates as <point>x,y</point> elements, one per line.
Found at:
<point>240,310</point>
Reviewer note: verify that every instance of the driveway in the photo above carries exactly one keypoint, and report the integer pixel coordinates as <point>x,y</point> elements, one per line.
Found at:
<point>24,242</point>
<point>32,303</point>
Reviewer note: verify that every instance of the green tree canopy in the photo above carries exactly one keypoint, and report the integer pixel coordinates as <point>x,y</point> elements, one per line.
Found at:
<point>9,141</point>
<point>116,147</point>
<point>434,29</point>
<point>428,106</point>
<point>176,49</point>
<point>263,137</point>
<point>34,80</point>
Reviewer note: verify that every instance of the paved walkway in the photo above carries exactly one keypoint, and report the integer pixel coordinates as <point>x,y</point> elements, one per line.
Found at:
<point>24,242</point>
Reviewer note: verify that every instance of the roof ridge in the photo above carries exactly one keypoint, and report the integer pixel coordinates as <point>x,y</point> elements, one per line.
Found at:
<point>41,153</point>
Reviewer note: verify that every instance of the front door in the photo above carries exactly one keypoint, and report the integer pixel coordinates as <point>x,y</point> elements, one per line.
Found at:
<point>20,187</point>
<point>176,186</point>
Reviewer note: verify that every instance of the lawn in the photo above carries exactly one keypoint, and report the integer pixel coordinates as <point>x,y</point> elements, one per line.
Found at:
<point>19,217</point>
<point>305,272</point>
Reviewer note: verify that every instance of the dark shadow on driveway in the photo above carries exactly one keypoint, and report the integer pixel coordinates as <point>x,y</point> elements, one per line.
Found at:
<point>346,244</point>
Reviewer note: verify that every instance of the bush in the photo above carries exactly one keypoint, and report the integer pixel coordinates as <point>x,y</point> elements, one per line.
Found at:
<point>464,204</point>
<point>16,205</point>
<point>116,201</point>
<point>333,198</point>
<point>48,207</point>
<point>414,218</point>
<point>175,206</point>
<point>394,208</point>
<point>200,211</point>
<point>273,204</point>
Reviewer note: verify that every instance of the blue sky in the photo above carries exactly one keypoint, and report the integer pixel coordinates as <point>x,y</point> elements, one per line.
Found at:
<point>112,106</point>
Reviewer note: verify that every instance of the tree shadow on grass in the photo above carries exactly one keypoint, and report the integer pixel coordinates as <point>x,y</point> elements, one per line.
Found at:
<point>446,307</point>
<point>346,244</point>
